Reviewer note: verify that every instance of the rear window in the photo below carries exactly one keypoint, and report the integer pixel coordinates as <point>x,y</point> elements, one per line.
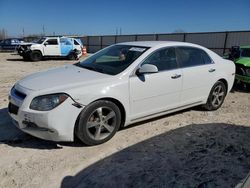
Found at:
<point>76,43</point>
<point>189,57</point>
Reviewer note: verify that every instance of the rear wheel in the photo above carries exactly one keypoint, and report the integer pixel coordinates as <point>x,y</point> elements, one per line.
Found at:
<point>72,56</point>
<point>35,56</point>
<point>98,122</point>
<point>216,96</point>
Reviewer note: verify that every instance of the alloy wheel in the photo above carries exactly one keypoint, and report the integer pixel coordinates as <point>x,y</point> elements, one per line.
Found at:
<point>218,96</point>
<point>101,123</point>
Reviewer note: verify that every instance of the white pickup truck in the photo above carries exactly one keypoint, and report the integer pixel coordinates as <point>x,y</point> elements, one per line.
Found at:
<point>48,47</point>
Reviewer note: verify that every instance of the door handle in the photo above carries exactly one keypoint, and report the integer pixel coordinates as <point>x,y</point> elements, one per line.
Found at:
<point>211,70</point>
<point>176,76</point>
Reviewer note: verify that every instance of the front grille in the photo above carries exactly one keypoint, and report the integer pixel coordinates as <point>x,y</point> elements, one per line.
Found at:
<point>18,94</point>
<point>13,109</point>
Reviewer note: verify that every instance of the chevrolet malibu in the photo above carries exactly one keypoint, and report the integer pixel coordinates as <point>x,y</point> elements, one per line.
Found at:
<point>117,86</point>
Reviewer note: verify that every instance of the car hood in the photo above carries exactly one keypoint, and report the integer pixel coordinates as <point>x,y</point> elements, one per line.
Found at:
<point>244,61</point>
<point>26,43</point>
<point>61,78</point>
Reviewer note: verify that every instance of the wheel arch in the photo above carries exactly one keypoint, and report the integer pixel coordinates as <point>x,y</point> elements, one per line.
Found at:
<point>37,50</point>
<point>115,101</point>
<point>224,81</point>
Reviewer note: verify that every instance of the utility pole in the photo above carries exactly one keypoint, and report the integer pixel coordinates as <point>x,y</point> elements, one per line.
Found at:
<point>43,30</point>
<point>116,31</point>
<point>23,31</point>
<point>120,31</point>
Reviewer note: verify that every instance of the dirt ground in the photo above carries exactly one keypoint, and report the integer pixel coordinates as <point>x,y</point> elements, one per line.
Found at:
<point>191,148</point>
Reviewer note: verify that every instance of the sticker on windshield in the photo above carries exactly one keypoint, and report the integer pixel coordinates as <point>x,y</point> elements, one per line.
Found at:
<point>137,49</point>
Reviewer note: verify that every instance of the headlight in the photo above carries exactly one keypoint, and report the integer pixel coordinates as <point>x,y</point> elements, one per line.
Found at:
<point>47,102</point>
<point>248,72</point>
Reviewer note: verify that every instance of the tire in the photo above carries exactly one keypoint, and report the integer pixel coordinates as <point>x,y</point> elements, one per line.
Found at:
<point>248,86</point>
<point>93,130</point>
<point>216,96</point>
<point>72,56</point>
<point>26,57</point>
<point>35,56</point>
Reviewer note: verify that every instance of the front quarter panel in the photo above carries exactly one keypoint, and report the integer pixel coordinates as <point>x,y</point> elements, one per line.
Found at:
<point>38,47</point>
<point>117,90</point>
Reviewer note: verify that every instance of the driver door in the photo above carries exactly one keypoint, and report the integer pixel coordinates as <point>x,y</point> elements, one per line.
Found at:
<point>51,48</point>
<point>157,92</point>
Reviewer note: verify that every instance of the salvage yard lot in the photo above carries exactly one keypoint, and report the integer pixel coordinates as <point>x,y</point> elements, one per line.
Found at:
<point>192,148</point>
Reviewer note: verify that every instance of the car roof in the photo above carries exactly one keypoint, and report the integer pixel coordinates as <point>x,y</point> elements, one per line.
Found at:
<point>157,43</point>
<point>13,39</point>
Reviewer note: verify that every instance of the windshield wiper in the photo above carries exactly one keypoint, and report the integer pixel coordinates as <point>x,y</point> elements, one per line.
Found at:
<point>89,68</point>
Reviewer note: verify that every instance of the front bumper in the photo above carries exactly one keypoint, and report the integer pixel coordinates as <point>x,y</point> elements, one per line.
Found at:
<point>245,79</point>
<point>23,50</point>
<point>55,125</point>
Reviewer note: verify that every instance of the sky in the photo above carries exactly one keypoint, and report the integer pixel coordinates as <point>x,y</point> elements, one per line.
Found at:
<point>106,17</point>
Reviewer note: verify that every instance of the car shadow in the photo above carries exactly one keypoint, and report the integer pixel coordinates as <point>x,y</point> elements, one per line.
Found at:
<point>17,59</point>
<point>201,156</point>
<point>49,59</point>
<point>12,136</point>
<point>196,108</point>
<point>243,88</point>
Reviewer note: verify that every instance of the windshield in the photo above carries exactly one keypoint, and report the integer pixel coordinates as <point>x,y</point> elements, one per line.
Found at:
<point>40,41</point>
<point>113,60</point>
<point>245,52</point>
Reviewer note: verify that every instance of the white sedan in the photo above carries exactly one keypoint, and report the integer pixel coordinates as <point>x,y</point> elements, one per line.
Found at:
<point>117,86</point>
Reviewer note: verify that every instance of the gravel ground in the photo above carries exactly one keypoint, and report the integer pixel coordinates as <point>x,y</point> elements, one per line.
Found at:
<point>191,148</point>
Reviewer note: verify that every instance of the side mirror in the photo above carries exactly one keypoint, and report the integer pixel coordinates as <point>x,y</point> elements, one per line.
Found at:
<point>147,68</point>
<point>46,43</point>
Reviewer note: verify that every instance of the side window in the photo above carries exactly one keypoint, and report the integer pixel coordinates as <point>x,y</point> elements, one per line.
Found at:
<point>206,58</point>
<point>164,59</point>
<point>76,43</point>
<point>65,41</point>
<point>189,57</point>
<point>52,42</point>
<point>8,42</point>
<point>62,41</point>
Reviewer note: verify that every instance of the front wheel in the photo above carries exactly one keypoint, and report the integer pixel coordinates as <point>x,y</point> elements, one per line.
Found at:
<point>98,122</point>
<point>35,56</point>
<point>216,96</point>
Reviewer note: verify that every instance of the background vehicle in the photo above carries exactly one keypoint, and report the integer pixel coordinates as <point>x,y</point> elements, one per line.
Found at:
<point>117,86</point>
<point>10,44</point>
<point>70,48</point>
<point>241,57</point>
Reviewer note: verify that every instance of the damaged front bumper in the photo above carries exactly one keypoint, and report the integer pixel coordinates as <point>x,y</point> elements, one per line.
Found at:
<point>245,79</point>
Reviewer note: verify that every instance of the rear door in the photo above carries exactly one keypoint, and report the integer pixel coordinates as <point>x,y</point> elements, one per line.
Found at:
<point>66,46</point>
<point>198,74</point>
<point>51,47</point>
